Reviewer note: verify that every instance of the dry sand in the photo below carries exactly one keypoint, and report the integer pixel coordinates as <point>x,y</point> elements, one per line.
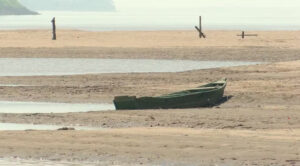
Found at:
<point>258,125</point>
<point>161,146</point>
<point>220,45</point>
<point>146,39</point>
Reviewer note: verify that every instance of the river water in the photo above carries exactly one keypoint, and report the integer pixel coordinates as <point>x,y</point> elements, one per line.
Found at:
<point>73,66</point>
<point>39,107</point>
<point>33,162</point>
<point>171,15</point>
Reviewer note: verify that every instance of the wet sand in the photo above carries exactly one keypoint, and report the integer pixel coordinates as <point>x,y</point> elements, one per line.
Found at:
<point>257,124</point>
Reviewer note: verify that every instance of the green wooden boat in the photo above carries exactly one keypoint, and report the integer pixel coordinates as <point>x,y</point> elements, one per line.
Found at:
<point>202,96</point>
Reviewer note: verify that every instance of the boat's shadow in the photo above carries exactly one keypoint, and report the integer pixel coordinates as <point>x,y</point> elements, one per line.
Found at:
<point>223,100</point>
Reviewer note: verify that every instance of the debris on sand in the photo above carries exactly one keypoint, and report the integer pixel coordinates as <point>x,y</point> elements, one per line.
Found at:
<point>66,128</point>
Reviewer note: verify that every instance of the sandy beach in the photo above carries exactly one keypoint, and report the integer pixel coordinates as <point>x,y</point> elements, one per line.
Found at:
<point>270,46</point>
<point>258,123</point>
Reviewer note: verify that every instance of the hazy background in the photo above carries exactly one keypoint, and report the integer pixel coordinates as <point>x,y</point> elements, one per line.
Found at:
<point>171,15</point>
<point>69,5</point>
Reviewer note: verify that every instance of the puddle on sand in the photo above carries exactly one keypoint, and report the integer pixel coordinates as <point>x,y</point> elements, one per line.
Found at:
<point>11,85</point>
<point>28,162</point>
<point>73,66</point>
<point>16,127</point>
<point>36,107</point>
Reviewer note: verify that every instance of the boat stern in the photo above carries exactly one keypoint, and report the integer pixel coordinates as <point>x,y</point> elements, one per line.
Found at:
<point>125,102</point>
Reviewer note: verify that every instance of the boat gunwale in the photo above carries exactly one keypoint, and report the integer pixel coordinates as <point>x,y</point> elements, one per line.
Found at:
<point>182,93</point>
<point>187,93</point>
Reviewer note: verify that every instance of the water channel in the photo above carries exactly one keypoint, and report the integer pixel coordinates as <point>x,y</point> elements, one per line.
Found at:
<point>43,107</point>
<point>75,66</point>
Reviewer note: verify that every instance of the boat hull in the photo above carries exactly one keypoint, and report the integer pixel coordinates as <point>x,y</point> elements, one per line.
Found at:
<point>203,96</point>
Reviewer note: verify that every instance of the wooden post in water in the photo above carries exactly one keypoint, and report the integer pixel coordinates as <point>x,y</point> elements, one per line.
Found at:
<point>199,29</point>
<point>53,29</point>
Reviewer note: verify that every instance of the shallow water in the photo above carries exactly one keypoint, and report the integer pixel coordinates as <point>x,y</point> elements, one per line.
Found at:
<point>171,14</point>
<point>73,66</point>
<point>35,162</point>
<point>13,85</point>
<point>15,126</point>
<point>36,107</point>
<point>28,162</point>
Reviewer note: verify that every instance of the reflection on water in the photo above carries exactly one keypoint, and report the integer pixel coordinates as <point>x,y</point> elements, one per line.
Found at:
<point>73,66</point>
<point>35,107</point>
<point>15,126</point>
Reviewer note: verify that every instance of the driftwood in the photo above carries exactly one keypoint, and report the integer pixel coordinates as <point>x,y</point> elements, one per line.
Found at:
<point>66,128</point>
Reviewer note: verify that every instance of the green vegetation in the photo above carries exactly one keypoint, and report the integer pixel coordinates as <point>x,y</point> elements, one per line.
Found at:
<point>13,7</point>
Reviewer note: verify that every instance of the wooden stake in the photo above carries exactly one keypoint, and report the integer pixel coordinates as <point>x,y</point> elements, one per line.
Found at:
<point>201,34</point>
<point>53,29</point>
<point>243,35</point>
<point>200,25</point>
